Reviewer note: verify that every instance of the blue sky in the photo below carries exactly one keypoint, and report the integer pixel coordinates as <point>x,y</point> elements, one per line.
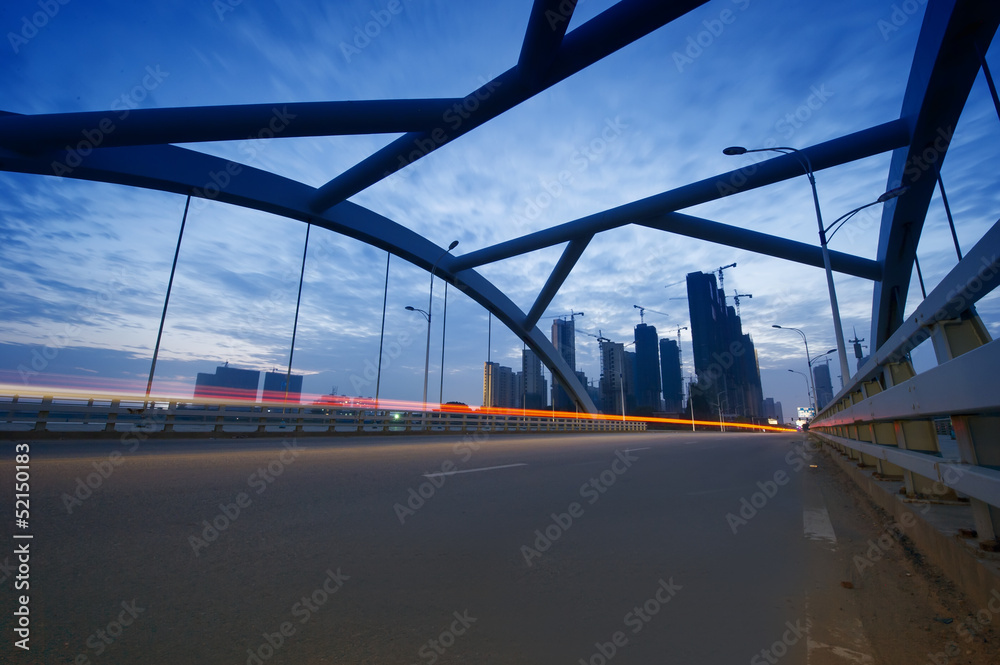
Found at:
<point>84,266</point>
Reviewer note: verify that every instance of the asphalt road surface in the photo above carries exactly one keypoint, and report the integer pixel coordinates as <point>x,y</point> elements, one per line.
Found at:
<point>640,548</point>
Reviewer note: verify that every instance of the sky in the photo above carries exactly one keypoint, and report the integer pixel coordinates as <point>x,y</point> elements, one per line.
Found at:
<point>84,266</point>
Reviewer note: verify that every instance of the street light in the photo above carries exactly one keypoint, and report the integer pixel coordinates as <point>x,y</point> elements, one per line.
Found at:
<point>808,397</point>
<point>820,356</point>
<point>808,362</point>
<point>803,159</point>
<point>430,306</point>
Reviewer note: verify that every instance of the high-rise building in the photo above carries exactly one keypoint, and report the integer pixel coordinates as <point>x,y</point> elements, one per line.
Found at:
<point>500,386</point>
<point>564,339</point>
<point>824,385</point>
<point>275,384</point>
<point>535,387</point>
<point>670,375</point>
<point>647,369</point>
<point>228,383</point>
<point>612,377</point>
<point>725,359</point>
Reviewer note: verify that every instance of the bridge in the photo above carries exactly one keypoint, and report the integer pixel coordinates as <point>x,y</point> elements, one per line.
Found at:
<point>164,529</point>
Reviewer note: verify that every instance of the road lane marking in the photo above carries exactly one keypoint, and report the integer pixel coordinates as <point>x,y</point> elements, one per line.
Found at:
<point>485,468</point>
<point>817,526</point>
<point>632,450</point>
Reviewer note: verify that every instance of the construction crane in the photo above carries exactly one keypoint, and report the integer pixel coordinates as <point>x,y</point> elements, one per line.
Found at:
<point>675,284</point>
<point>858,353</point>
<point>572,315</point>
<point>721,277</point>
<point>679,329</point>
<point>642,312</point>
<point>736,300</point>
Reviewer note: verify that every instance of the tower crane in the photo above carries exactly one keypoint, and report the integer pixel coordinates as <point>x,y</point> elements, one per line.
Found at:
<point>572,315</point>
<point>642,312</point>
<point>736,300</point>
<point>679,329</point>
<point>721,277</point>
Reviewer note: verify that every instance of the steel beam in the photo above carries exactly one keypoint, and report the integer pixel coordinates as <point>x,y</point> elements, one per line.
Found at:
<point>763,243</point>
<point>123,127</point>
<point>944,68</point>
<point>604,34</point>
<point>849,148</point>
<point>546,28</point>
<point>570,256</point>
<point>182,171</point>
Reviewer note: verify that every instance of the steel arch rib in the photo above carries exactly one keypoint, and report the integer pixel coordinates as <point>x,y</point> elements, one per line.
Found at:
<point>945,66</point>
<point>182,171</point>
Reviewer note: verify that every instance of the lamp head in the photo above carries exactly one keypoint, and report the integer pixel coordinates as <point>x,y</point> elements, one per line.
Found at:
<point>775,325</point>
<point>453,245</point>
<point>734,150</point>
<point>409,308</point>
<point>892,193</point>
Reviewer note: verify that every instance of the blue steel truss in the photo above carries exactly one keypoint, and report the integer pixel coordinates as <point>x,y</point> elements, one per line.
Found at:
<point>138,154</point>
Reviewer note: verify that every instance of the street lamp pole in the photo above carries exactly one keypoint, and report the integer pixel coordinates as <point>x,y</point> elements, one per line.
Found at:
<point>804,378</point>
<point>803,159</point>
<point>430,304</point>
<point>808,362</point>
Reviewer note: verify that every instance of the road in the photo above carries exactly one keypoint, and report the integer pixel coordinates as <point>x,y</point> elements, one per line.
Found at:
<point>641,548</point>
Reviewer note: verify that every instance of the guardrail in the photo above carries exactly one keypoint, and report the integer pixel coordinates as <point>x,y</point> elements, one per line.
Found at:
<point>886,417</point>
<point>55,413</point>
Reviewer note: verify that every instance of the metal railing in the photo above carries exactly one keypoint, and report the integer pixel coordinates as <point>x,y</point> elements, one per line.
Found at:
<point>68,413</point>
<point>886,417</point>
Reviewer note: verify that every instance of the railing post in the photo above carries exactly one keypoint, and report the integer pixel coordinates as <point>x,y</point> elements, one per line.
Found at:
<point>43,413</point>
<point>220,419</point>
<point>113,408</point>
<point>977,438</point>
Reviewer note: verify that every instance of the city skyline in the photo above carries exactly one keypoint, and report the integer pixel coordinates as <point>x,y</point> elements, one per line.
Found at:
<point>85,265</point>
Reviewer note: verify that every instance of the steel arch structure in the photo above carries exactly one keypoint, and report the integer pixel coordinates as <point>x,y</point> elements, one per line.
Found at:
<point>138,153</point>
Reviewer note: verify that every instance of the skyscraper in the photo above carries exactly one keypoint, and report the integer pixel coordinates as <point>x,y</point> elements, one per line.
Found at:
<point>564,339</point>
<point>612,377</point>
<point>500,386</point>
<point>535,386</point>
<point>824,385</point>
<point>647,369</point>
<point>725,359</point>
<point>670,374</point>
